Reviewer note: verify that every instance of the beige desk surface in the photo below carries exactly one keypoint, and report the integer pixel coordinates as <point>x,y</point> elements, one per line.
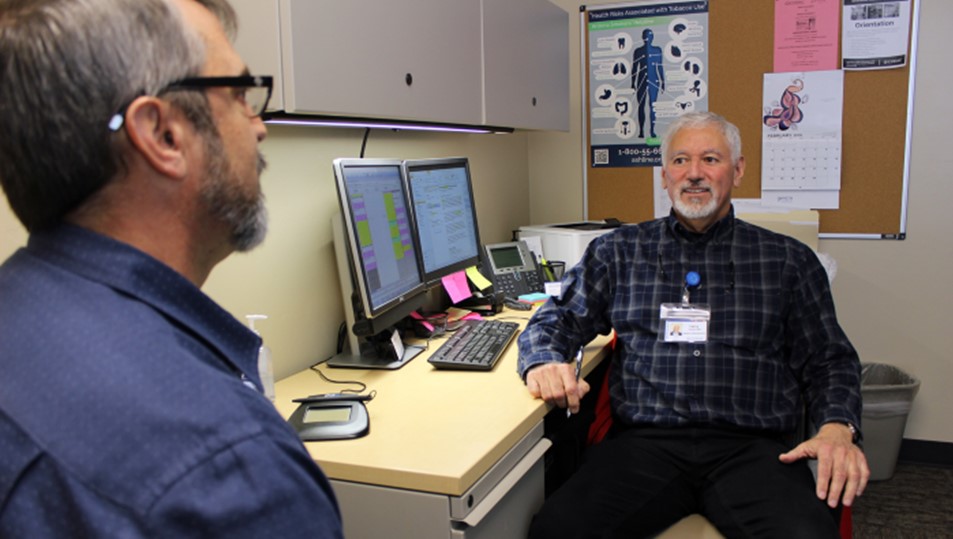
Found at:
<point>430,430</point>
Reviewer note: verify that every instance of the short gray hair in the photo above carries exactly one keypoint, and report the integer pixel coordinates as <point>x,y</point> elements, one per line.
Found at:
<point>696,120</point>
<point>66,67</point>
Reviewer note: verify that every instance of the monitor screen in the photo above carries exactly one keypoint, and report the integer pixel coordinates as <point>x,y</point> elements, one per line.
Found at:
<point>379,231</point>
<point>444,215</point>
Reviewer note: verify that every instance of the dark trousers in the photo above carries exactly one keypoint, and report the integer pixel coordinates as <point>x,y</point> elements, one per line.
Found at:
<point>642,480</point>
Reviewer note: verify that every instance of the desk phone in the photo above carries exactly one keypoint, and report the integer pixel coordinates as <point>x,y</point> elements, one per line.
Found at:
<point>513,269</point>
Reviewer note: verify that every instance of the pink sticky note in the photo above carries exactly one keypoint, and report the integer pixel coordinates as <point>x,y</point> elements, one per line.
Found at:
<point>416,316</point>
<point>456,286</point>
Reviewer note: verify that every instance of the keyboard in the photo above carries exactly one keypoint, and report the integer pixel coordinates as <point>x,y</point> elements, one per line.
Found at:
<point>476,345</point>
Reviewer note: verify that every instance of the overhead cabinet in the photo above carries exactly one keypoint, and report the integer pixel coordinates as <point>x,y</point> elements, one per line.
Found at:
<point>526,60</point>
<point>475,62</point>
<point>412,59</point>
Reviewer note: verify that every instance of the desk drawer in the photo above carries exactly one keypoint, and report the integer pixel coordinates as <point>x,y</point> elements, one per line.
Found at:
<point>516,461</point>
<point>499,505</point>
<point>507,511</point>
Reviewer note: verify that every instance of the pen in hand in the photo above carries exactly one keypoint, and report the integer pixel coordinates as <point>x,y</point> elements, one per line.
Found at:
<point>578,371</point>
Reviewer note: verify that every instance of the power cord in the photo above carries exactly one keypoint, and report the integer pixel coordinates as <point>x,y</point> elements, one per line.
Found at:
<point>324,377</point>
<point>367,132</point>
<point>342,336</point>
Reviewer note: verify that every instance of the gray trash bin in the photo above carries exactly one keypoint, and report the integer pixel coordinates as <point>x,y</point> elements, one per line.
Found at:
<point>888,394</point>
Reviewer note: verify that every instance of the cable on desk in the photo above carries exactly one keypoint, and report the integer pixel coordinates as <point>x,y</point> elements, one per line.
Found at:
<point>332,381</point>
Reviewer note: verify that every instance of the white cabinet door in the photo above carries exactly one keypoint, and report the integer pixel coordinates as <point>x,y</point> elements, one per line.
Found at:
<point>408,59</point>
<point>526,55</point>
<point>259,42</point>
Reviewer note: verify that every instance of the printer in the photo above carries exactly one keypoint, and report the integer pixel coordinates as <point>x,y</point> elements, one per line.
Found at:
<point>567,241</point>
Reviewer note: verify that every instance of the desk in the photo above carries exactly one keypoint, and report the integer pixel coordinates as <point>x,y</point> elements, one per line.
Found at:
<point>449,454</point>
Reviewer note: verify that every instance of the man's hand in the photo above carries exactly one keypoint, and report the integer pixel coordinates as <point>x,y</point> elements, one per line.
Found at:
<point>842,470</point>
<point>556,384</point>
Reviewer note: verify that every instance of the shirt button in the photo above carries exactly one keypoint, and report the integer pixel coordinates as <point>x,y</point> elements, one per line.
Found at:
<point>697,353</point>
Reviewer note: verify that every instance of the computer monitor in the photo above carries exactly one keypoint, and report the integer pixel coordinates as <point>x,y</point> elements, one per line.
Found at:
<point>381,281</point>
<point>444,215</point>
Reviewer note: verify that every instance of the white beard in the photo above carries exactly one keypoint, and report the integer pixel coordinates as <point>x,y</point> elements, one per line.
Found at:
<point>695,211</point>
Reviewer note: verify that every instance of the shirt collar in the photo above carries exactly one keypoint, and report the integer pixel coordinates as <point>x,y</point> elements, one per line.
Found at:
<point>720,231</point>
<point>126,269</point>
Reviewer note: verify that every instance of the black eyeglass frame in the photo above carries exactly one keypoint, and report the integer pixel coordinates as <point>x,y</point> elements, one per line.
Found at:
<point>202,83</point>
<point>241,81</point>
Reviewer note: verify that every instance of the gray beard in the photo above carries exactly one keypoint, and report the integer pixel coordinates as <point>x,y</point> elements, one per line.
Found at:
<point>246,217</point>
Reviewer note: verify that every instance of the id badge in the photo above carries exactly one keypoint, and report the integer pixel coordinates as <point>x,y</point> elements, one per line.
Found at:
<point>684,322</point>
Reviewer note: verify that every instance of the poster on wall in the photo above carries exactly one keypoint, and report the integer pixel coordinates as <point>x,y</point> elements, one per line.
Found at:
<point>647,64</point>
<point>876,34</point>
<point>805,35</point>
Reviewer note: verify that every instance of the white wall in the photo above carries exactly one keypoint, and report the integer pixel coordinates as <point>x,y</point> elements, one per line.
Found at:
<point>891,295</point>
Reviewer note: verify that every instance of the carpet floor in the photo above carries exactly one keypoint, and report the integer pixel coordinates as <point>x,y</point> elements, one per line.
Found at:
<point>916,502</point>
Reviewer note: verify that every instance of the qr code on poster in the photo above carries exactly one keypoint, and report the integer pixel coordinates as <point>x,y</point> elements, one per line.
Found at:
<point>600,157</point>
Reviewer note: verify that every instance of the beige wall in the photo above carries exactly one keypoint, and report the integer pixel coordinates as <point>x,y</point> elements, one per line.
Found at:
<point>293,277</point>
<point>890,294</point>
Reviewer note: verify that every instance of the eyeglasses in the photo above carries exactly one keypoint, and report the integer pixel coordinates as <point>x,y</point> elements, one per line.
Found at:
<point>254,91</point>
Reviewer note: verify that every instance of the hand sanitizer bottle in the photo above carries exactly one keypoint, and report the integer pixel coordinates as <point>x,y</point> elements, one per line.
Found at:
<point>265,369</point>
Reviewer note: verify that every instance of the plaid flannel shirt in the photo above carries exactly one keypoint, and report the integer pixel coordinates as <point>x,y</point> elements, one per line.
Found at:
<point>773,340</point>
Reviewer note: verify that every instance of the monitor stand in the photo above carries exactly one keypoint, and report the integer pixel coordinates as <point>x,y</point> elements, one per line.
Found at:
<point>371,359</point>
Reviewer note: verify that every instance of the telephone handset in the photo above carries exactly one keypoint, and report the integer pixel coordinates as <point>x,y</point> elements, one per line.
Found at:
<point>513,269</point>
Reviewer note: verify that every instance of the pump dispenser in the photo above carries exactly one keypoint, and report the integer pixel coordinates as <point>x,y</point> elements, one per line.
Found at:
<point>265,369</point>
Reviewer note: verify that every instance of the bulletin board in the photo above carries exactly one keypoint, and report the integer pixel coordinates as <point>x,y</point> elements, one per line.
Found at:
<point>876,128</point>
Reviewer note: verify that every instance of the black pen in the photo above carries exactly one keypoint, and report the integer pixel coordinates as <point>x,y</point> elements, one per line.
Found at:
<point>578,372</point>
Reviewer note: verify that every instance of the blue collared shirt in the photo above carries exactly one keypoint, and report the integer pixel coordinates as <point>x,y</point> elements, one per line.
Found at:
<point>773,334</point>
<point>124,410</point>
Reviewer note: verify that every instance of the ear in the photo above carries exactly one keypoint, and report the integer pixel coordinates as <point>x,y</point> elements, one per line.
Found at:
<point>739,171</point>
<point>664,179</point>
<point>157,132</point>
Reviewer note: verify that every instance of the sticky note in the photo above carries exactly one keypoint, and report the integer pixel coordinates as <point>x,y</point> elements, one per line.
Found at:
<point>477,278</point>
<point>457,286</point>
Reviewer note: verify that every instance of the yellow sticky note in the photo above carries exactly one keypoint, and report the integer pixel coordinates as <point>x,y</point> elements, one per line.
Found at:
<point>477,278</point>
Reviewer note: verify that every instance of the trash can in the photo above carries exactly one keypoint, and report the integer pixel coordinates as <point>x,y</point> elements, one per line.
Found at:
<point>888,394</point>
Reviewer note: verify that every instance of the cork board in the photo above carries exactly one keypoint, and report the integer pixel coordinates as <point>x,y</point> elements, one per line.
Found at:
<point>875,138</point>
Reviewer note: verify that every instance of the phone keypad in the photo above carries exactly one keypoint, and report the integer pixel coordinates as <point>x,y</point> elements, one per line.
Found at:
<point>528,282</point>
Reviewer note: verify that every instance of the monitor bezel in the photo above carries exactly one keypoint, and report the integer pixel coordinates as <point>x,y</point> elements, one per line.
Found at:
<point>356,260</point>
<point>433,278</point>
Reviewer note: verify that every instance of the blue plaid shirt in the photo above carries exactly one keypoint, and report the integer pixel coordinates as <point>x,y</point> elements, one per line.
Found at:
<point>773,334</point>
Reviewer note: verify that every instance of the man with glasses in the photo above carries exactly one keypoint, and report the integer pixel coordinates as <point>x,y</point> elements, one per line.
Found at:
<point>131,404</point>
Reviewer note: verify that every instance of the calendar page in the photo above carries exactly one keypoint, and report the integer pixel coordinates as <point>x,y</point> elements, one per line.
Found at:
<point>801,138</point>
<point>811,163</point>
